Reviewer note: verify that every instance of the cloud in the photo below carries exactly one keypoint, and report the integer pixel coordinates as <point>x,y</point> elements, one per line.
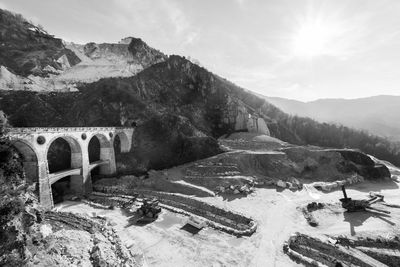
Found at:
<point>190,38</point>
<point>163,24</point>
<point>176,16</point>
<point>151,13</point>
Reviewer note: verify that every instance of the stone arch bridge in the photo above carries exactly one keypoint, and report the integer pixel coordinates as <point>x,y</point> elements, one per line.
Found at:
<point>34,144</point>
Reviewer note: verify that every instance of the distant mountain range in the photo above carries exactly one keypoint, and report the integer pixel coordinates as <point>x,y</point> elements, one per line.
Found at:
<point>379,115</point>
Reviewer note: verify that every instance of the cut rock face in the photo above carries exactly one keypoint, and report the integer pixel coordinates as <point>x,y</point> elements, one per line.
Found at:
<point>31,59</point>
<point>111,60</point>
<point>85,64</point>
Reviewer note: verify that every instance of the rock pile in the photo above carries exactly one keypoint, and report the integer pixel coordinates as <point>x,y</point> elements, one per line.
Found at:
<point>292,184</point>
<point>235,189</point>
<point>76,240</point>
<point>329,186</point>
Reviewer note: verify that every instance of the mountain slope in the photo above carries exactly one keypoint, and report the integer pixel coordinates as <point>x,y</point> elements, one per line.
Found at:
<point>178,107</point>
<point>190,104</point>
<point>27,49</point>
<point>124,59</point>
<point>379,114</point>
<point>31,59</point>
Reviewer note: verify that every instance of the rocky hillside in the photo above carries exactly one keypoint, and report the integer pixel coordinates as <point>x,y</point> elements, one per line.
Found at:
<point>31,59</point>
<point>189,104</point>
<point>174,100</point>
<point>166,99</point>
<point>28,49</point>
<point>124,59</point>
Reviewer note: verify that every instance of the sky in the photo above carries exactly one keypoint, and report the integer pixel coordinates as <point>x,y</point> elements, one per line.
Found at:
<point>298,49</point>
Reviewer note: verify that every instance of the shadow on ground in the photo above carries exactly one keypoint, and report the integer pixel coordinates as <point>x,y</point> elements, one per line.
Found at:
<point>191,229</point>
<point>357,219</point>
<point>138,220</point>
<point>230,197</point>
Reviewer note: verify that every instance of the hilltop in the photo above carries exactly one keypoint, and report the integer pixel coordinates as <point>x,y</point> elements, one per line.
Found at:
<point>32,59</point>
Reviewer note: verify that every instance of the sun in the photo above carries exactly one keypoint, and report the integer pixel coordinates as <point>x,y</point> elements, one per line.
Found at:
<point>314,38</point>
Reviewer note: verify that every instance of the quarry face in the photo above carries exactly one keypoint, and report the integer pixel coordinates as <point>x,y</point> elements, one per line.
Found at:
<point>284,235</point>
<point>116,154</point>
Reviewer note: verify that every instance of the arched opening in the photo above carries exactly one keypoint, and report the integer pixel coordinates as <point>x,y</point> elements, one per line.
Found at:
<point>59,155</point>
<point>121,143</point>
<point>30,162</point>
<point>101,156</point>
<point>117,145</point>
<point>94,150</point>
<point>64,157</point>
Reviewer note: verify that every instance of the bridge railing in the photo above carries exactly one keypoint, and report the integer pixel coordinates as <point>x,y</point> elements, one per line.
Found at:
<point>64,129</point>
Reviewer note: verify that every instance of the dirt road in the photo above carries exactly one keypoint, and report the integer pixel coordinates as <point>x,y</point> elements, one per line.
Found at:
<point>164,243</point>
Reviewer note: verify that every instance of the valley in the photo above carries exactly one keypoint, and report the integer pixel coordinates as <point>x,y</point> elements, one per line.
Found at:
<point>116,154</point>
<point>377,115</point>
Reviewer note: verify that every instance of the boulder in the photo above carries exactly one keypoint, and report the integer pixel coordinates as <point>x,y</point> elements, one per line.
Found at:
<point>281,184</point>
<point>46,230</point>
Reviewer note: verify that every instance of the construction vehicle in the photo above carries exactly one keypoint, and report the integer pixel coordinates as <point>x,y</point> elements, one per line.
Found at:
<point>352,205</point>
<point>150,208</point>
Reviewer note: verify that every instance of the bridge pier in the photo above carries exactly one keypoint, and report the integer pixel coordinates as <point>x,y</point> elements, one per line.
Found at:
<point>45,194</point>
<point>86,177</point>
<point>77,185</point>
<point>31,171</point>
<point>108,153</point>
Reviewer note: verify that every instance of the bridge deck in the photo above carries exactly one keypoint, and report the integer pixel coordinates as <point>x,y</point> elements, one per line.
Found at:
<point>98,163</point>
<point>55,176</point>
<point>15,130</point>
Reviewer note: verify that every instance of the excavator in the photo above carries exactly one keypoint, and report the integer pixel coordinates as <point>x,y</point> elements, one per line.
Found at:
<point>149,209</point>
<point>352,205</point>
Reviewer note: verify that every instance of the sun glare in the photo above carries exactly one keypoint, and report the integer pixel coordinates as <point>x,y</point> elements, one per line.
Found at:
<point>314,38</point>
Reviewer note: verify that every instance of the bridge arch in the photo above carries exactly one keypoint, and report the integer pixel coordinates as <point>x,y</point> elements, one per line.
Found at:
<point>69,179</point>
<point>104,141</point>
<point>121,142</point>
<point>30,160</point>
<point>101,155</point>
<point>76,149</point>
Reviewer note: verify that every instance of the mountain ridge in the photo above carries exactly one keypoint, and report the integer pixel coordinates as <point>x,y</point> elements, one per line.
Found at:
<point>31,59</point>
<point>331,98</point>
<point>192,105</point>
<point>375,114</point>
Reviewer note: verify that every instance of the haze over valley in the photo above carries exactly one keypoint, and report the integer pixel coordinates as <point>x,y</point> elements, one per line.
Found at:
<point>377,115</point>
